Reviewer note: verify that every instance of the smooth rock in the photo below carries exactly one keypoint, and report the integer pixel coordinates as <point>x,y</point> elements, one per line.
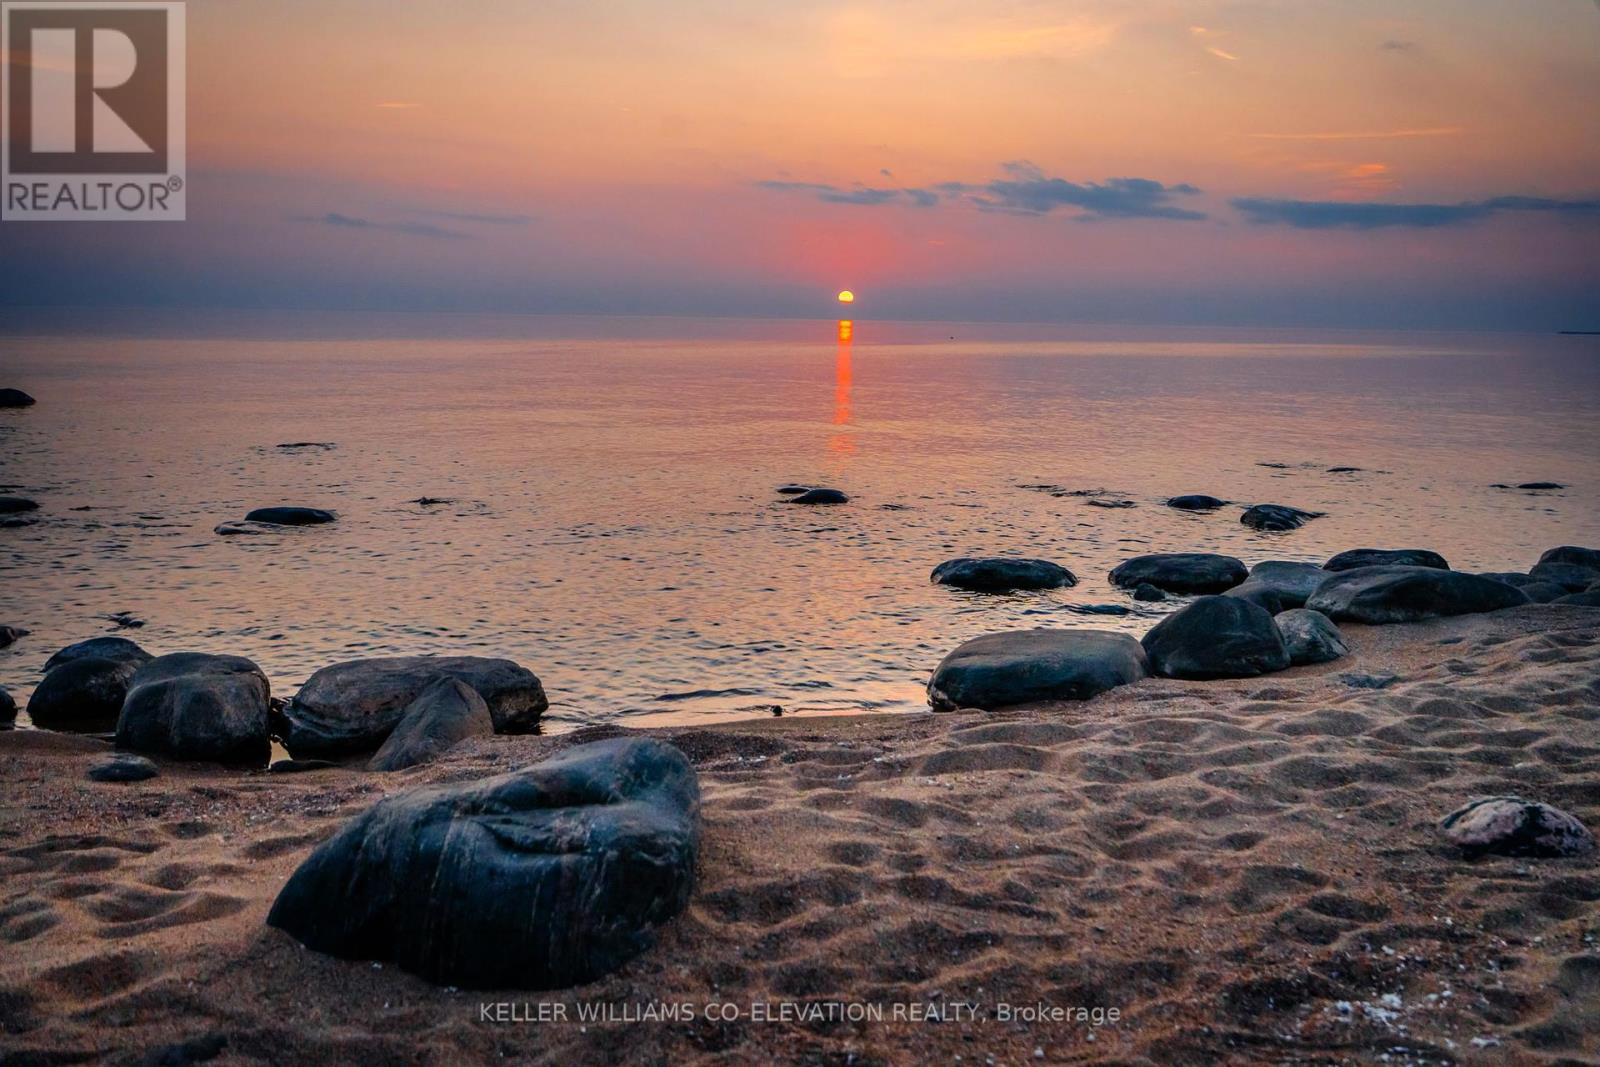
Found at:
<point>82,695</point>
<point>300,766</point>
<point>1196,502</point>
<point>1146,592</point>
<point>197,706</point>
<point>1573,577</point>
<point>9,635</point>
<point>793,490</point>
<point>1027,666</point>
<point>8,709</point>
<point>123,768</point>
<point>1277,518</point>
<point>115,648</point>
<point>1378,595</point>
<point>545,878</point>
<point>1262,594</point>
<point>446,712</point>
<point>1544,592</point>
<point>1386,557</point>
<point>15,505</point>
<point>820,496</point>
<point>1589,598</point>
<point>1514,826</point>
<point>15,398</point>
<point>1180,572</point>
<point>352,707</point>
<point>1515,578</point>
<point>1540,485</point>
<point>1293,582</point>
<point>991,574</point>
<point>1310,637</point>
<point>1216,637</point>
<point>1583,557</point>
<point>291,516</point>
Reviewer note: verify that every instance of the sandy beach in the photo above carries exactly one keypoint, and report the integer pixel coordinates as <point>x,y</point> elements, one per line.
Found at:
<point>1238,871</point>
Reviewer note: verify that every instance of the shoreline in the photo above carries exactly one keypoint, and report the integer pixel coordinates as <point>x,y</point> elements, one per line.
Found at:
<point>1243,869</point>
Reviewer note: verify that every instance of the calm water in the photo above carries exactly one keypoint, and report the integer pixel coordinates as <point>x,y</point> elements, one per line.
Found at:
<point>613,523</point>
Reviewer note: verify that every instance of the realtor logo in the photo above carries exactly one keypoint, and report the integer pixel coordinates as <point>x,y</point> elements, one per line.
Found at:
<point>92,96</point>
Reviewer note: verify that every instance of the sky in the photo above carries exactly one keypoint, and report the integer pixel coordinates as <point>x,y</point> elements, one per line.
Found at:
<point>1345,163</point>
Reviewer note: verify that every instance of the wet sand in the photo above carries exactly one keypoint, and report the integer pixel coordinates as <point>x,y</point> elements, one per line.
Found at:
<point>1246,871</point>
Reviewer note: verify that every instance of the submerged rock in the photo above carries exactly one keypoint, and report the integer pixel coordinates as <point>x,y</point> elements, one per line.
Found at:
<point>15,398</point>
<point>246,529</point>
<point>291,516</point>
<point>114,648</point>
<point>1027,666</point>
<point>197,706</point>
<point>993,574</point>
<point>352,707</point>
<point>10,634</point>
<point>545,878</point>
<point>1216,637</point>
<point>1514,826</point>
<point>1180,572</point>
<point>1385,557</point>
<point>1540,485</point>
<point>820,496</point>
<point>1277,518</point>
<point>445,713</point>
<point>1310,637</point>
<point>1196,502</point>
<point>123,768</point>
<point>1148,593</point>
<point>15,505</point>
<point>83,695</point>
<point>793,490</point>
<point>1103,502</point>
<point>1407,594</point>
<point>1573,577</point>
<point>1583,557</point>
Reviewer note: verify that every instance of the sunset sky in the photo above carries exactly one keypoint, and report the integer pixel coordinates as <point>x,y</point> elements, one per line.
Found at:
<point>1329,162</point>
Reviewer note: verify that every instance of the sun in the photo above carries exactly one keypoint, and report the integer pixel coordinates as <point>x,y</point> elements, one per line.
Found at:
<point>847,297</point>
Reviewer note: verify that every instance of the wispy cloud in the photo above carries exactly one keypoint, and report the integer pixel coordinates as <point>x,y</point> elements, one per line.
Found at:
<point>1344,215</point>
<point>1400,46</point>
<point>484,219</point>
<point>1025,190</point>
<point>339,220</point>
<point>1220,54</point>
<point>397,105</point>
<point>1366,135</point>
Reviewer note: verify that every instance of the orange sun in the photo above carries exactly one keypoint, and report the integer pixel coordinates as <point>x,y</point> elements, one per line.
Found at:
<point>847,297</point>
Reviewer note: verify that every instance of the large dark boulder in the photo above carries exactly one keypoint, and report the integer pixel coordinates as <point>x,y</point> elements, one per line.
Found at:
<point>1516,578</point>
<point>1180,572</point>
<point>1027,666</point>
<point>351,707</point>
<point>1311,637</point>
<point>1216,637</point>
<point>291,516</point>
<point>15,505</point>
<point>84,695</point>
<point>1543,592</point>
<point>1513,826</point>
<point>197,706</point>
<point>1406,594</point>
<point>545,878</point>
<point>114,648</point>
<point>15,398</point>
<point>1583,557</point>
<point>819,496</point>
<point>1278,585</point>
<point>997,575</point>
<point>1386,557</point>
<point>446,712</point>
<point>1196,502</point>
<point>1572,577</point>
<point>1277,518</point>
<point>1589,598</point>
<point>8,709</point>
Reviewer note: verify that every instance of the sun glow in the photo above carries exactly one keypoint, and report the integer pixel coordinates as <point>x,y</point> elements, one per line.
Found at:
<point>847,297</point>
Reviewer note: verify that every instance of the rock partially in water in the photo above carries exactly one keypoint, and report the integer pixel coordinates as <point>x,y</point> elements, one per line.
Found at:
<point>1378,595</point>
<point>1196,502</point>
<point>291,516</point>
<point>1261,594</point>
<point>301,446</point>
<point>1027,666</point>
<point>545,878</point>
<point>1104,502</point>
<point>1277,518</point>
<point>1310,637</point>
<point>123,767</point>
<point>114,648</point>
<point>1583,557</point>
<point>352,707</point>
<point>1216,637</point>
<point>1180,572</point>
<point>1589,598</point>
<point>197,706</point>
<point>16,505</point>
<point>1572,577</point>
<point>1515,826</point>
<point>993,574</point>
<point>1292,581</point>
<point>445,713</point>
<point>1148,593</point>
<point>9,635</point>
<point>82,695</point>
<point>8,709</point>
<point>246,529</point>
<point>15,398</point>
<point>1540,485</point>
<point>793,490</point>
<point>1386,557</point>
<point>820,496</point>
